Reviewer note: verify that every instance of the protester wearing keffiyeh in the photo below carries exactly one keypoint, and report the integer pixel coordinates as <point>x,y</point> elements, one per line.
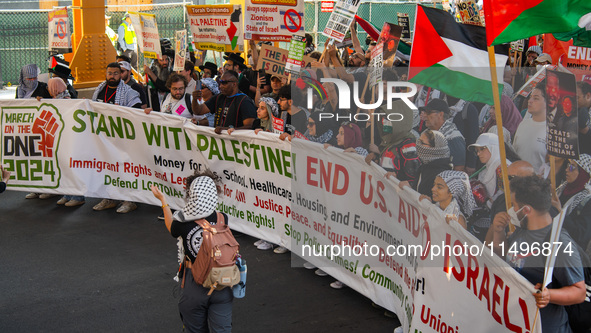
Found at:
<point>27,87</point>
<point>459,186</point>
<point>575,191</point>
<point>272,112</point>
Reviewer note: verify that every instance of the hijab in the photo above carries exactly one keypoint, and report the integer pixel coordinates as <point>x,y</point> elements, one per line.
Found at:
<point>511,116</point>
<point>57,88</point>
<point>352,136</point>
<point>571,190</point>
<point>428,154</point>
<point>324,132</point>
<point>272,112</point>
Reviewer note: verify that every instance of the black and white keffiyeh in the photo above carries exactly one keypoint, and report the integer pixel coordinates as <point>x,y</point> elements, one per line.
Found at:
<point>202,200</point>
<point>272,107</point>
<point>584,162</point>
<point>429,154</point>
<point>459,186</point>
<point>125,95</point>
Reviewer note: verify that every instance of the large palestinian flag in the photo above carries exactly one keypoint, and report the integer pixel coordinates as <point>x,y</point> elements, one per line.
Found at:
<point>510,20</point>
<point>453,57</point>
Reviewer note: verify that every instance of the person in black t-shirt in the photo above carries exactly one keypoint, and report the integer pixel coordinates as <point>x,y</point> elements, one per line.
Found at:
<point>296,119</point>
<point>232,108</point>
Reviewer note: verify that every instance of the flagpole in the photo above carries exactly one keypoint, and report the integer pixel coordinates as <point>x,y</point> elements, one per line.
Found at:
<point>498,116</point>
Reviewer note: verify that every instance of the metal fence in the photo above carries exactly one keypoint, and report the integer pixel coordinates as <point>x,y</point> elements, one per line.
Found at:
<point>24,37</point>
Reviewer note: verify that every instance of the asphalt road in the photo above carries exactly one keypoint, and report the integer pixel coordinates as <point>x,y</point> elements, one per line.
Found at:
<point>75,270</point>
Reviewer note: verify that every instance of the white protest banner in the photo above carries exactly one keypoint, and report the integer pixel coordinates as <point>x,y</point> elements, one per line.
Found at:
<point>273,60</point>
<point>59,31</point>
<point>146,31</point>
<point>273,20</point>
<point>217,27</point>
<point>340,19</point>
<point>295,58</point>
<point>291,194</point>
<point>180,50</point>
<point>469,13</point>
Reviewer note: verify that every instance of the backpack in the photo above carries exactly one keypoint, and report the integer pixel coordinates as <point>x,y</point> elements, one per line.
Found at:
<point>215,264</point>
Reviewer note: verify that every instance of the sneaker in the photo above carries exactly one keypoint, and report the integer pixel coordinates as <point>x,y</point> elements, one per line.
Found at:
<point>46,196</point>
<point>320,272</point>
<point>62,201</point>
<point>308,265</point>
<point>32,195</point>
<point>259,242</point>
<point>74,203</point>
<point>281,250</point>
<point>337,285</point>
<point>126,207</point>
<point>265,246</point>
<point>105,204</point>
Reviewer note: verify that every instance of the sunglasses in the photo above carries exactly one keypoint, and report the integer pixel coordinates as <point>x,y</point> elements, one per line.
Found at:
<point>227,81</point>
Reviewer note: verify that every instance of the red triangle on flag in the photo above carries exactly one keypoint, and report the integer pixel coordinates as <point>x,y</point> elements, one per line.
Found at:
<point>53,63</point>
<point>427,48</point>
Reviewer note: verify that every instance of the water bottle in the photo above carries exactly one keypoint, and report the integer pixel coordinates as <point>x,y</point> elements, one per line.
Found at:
<point>239,289</point>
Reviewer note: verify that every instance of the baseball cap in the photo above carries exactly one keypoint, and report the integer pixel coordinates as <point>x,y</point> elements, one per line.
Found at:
<point>543,58</point>
<point>485,140</point>
<point>436,104</point>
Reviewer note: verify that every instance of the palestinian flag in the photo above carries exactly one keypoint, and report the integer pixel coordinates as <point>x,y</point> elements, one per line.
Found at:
<point>403,51</point>
<point>580,36</point>
<point>371,29</point>
<point>453,57</point>
<point>510,20</point>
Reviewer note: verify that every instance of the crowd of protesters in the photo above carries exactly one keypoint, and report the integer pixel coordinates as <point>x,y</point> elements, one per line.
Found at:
<point>447,149</point>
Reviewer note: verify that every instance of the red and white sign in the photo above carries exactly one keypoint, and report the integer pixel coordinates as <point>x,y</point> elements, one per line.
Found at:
<point>59,31</point>
<point>273,20</point>
<point>326,6</point>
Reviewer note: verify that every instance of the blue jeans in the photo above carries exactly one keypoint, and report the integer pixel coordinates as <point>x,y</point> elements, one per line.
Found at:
<point>202,313</point>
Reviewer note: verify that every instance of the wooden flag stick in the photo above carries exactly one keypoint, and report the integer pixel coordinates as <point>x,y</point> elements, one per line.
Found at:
<point>371,114</point>
<point>498,116</point>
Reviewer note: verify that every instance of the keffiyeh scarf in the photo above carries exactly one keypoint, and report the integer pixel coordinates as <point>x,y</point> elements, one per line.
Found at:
<point>429,154</point>
<point>459,186</point>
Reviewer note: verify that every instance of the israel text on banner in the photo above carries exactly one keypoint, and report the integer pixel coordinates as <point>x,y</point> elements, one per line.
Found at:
<point>146,31</point>
<point>217,27</point>
<point>273,20</point>
<point>59,31</point>
<point>290,194</point>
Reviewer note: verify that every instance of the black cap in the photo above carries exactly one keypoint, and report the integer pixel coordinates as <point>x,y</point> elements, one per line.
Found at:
<point>236,59</point>
<point>436,104</point>
<point>211,66</point>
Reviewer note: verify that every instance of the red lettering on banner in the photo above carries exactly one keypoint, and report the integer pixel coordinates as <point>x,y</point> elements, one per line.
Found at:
<point>339,177</point>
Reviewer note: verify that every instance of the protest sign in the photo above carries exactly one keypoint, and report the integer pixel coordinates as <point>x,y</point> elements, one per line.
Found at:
<point>273,20</point>
<point>273,60</point>
<point>561,116</point>
<point>295,58</point>
<point>146,31</point>
<point>290,194</point>
<point>390,37</point>
<point>59,31</point>
<point>575,58</point>
<point>404,23</point>
<point>469,13</point>
<point>347,41</point>
<point>376,65</point>
<point>340,19</point>
<point>217,27</point>
<point>180,50</point>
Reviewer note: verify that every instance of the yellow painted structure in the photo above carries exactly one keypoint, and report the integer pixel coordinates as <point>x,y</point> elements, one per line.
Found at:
<point>92,48</point>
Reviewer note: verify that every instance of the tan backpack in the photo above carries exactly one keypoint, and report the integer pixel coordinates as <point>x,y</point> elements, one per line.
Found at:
<point>215,264</point>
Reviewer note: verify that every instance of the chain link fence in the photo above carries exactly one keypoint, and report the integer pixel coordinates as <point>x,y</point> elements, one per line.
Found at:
<point>24,38</point>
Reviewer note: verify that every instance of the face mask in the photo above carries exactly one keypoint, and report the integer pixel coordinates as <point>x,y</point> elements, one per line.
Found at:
<point>514,218</point>
<point>30,84</point>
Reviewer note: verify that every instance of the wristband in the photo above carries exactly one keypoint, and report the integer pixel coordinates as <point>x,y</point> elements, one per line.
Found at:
<point>165,205</point>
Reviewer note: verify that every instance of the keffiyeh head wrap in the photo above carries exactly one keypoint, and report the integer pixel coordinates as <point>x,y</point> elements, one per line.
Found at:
<point>211,85</point>
<point>202,200</point>
<point>272,107</point>
<point>459,186</point>
<point>429,154</point>
<point>584,162</point>
<point>27,87</point>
